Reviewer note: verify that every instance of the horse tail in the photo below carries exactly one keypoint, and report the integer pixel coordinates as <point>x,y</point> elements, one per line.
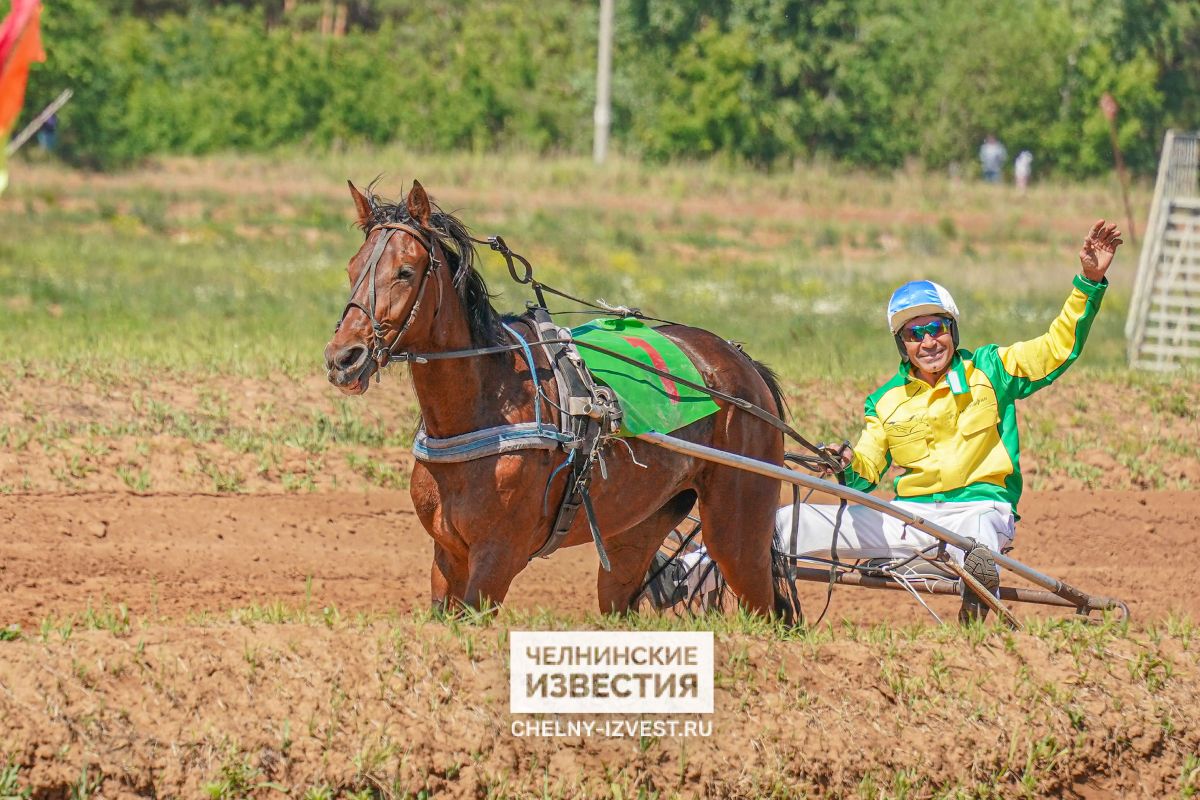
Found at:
<point>783,576</point>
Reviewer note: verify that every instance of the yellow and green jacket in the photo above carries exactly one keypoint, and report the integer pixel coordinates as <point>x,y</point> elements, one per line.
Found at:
<point>958,440</point>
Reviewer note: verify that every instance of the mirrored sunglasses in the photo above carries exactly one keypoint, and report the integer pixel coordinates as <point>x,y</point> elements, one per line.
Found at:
<point>917,333</point>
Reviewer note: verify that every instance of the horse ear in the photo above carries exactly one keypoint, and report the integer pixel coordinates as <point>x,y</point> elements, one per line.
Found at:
<point>418,204</point>
<point>361,204</point>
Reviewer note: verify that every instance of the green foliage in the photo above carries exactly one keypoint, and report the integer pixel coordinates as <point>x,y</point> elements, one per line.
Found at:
<point>704,108</point>
<point>876,82</point>
<point>870,82</point>
<point>10,783</point>
<point>225,79</point>
<point>239,778</point>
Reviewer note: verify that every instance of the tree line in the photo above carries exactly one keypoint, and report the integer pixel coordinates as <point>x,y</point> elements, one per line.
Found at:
<point>872,83</point>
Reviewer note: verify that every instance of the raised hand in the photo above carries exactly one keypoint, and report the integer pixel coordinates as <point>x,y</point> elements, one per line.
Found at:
<point>1098,250</point>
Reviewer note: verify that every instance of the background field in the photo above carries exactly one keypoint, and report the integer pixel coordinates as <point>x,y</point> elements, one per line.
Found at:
<point>216,580</point>
<point>168,308</point>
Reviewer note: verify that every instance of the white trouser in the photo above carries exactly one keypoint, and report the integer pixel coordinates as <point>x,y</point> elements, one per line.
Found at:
<point>867,533</point>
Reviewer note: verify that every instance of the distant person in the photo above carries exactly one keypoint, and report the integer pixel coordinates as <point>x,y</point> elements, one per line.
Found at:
<point>47,135</point>
<point>948,417</point>
<point>1022,169</point>
<point>992,157</point>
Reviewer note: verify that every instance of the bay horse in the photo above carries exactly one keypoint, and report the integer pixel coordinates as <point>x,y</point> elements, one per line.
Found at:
<point>487,516</point>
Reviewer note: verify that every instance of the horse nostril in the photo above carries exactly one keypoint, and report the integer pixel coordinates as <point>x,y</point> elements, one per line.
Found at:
<point>350,356</point>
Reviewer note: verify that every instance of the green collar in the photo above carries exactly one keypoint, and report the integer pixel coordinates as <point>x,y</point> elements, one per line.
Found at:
<point>955,377</point>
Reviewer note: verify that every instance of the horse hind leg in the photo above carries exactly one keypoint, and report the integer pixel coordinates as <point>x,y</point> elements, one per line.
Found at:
<point>737,510</point>
<point>630,553</point>
<point>787,598</point>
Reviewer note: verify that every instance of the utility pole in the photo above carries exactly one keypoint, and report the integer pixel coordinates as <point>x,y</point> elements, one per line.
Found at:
<point>603,115</point>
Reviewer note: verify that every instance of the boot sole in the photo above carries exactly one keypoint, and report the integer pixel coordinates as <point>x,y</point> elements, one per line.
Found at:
<point>981,565</point>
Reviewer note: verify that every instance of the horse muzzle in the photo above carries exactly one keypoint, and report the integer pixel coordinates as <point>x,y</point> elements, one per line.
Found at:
<point>350,368</point>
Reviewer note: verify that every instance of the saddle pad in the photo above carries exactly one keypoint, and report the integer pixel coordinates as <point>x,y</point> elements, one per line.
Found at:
<point>650,402</point>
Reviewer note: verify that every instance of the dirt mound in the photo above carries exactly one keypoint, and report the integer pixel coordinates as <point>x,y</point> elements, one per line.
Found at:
<point>397,709</point>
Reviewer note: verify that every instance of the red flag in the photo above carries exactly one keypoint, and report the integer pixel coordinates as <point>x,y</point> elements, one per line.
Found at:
<point>20,45</point>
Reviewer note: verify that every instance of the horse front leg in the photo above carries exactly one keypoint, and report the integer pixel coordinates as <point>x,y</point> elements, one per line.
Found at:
<point>491,568</point>
<point>630,560</point>
<point>447,579</point>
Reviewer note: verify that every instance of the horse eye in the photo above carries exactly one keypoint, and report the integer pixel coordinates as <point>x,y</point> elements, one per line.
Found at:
<point>406,272</point>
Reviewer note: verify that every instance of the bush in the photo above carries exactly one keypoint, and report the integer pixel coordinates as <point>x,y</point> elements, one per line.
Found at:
<point>870,82</point>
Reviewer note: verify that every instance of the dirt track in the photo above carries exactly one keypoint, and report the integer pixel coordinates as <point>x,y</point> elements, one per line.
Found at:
<point>170,556</point>
<point>185,703</point>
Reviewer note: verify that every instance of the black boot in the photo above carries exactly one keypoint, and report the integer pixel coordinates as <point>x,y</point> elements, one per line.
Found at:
<point>670,585</point>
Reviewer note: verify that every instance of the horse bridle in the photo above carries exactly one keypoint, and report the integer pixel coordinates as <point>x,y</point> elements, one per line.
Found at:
<point>381,352</point>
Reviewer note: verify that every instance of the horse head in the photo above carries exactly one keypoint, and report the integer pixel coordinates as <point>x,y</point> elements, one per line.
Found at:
<point>390,278</point>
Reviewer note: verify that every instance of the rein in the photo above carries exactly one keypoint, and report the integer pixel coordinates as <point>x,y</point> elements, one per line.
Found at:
<point>383,354</point>
<point>526,279</point>
<point>745,405</point>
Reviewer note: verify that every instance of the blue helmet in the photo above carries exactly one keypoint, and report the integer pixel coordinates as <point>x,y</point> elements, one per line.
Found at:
<point>916,299</point>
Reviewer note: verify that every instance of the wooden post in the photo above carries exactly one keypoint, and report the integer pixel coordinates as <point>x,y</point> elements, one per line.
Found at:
<point>1109,106</point>
<point>340,14</point>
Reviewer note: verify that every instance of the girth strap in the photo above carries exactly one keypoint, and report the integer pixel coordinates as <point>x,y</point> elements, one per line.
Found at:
<point>486,442</point>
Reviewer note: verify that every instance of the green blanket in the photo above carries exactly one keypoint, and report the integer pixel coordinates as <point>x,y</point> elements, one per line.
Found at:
<point>650,402</point>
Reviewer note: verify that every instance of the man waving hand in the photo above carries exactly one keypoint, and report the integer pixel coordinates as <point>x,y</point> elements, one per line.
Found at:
<point>948,418</point>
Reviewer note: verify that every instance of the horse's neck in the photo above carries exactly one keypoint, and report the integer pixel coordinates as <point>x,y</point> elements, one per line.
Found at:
<point>460,395</point>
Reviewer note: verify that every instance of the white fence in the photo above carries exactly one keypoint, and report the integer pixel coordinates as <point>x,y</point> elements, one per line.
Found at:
<point>1163,328</point>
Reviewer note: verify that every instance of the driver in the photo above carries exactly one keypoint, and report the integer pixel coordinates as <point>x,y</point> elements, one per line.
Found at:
<point>948,419</point>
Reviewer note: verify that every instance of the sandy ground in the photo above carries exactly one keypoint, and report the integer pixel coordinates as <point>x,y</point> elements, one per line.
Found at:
<point>171,556</point>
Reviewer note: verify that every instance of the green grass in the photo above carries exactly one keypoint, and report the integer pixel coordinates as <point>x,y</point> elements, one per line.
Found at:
<point>378,472</point>
<point>238,778</point>
<point>190,278</point>
<point>10,783</point>
<point>191,266</point>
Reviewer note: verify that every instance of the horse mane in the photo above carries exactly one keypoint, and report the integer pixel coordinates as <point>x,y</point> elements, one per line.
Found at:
<point>771,378</point>
<point>482,319</point>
